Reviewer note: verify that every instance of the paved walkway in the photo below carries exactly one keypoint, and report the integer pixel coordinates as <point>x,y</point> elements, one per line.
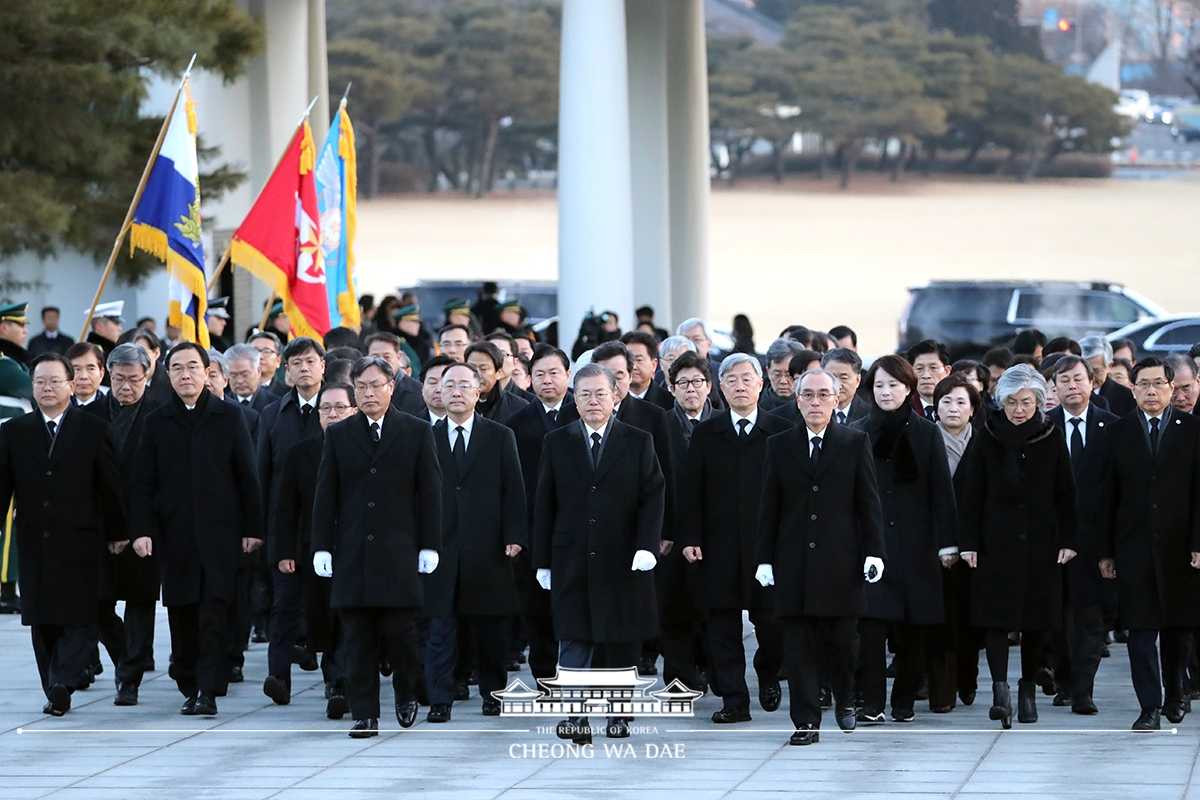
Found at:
<point>254,749</point>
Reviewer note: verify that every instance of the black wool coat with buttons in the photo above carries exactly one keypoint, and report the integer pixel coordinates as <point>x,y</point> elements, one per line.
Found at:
<point>378,505</point>
<point>1017,510</point>
<point>1150,525</point>
<point>818,524</point>
<point>483,511</point>
<point>587,525</point>
<point>920,518</point>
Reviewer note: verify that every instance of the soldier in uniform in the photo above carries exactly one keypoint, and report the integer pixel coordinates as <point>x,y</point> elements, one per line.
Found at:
<point>16,398</point>
<point>106,327</point>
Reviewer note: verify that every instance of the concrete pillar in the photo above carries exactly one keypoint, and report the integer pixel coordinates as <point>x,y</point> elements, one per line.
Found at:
<point>595,227</point>
<point>646,27</point>
<point>279,84</point>
<point>318,71</point>
<point>687,124</point>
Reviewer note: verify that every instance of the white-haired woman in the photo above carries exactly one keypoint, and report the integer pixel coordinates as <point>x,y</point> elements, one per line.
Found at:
<point>1017,516</point>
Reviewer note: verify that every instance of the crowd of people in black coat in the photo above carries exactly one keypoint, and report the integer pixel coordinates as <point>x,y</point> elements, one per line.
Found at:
<point>442,522</point>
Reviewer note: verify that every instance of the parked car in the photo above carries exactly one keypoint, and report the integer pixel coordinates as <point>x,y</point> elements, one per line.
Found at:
<point>971,317</point>
<point>1175,333</point>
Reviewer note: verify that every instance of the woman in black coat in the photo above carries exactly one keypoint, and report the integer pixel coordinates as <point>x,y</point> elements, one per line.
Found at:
<point>1017,528</point>
<point>919,536</point>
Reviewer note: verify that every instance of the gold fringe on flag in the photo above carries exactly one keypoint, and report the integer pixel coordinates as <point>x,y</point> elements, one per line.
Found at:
<point>348,300</point>
<point>248,257</point>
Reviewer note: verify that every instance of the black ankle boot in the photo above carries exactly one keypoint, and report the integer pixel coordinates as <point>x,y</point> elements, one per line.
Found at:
<point>1026,701</point>
<point>1001,704</point>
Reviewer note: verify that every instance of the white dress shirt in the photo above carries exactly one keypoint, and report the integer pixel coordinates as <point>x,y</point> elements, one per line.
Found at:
<point>736,417</point>
<point>467,426</point>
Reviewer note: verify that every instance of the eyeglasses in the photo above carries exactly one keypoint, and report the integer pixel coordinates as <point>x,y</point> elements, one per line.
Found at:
<point>42,383</point>
<point>325,409</point>
<point>1027,403</point>
<point>266,351</point>
<point>1159,384</point>
<point>372,387</point>
<point>191,366</point>
<point>117,380</point>
<point>585,397</point>
<point>824,396</point>
<point>462,386</point>
<point>695,383</point>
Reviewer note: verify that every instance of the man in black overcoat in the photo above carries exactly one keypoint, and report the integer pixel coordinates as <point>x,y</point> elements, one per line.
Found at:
<point>597,528</point>
<point>719,493</point>
<point>1087,594</point>
<point>1150,537</point>
<point>197,505</point>
<point>483,529</point>
<point>550,371</point>
<point>60,545</point>
<point>377,522</point>
<point>820,539</point>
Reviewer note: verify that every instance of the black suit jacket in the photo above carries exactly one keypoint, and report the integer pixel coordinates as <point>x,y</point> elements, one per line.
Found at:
<point>44,344</point>
<point>277,386</point>
<point>282,426</point>
<point>406,396</point>
<point>659,396</point>
<point>68,504</point>
<point>259,401</point>
<point>1150,524</point>
<point>131,577</point>
<point>483,510</point>
<point>1120,398</point>
<point>818,525</point>
<point>159,390</point>
<point>291,519</point>
<point>97,408</point>
<point>588,524</point>
<point>1085,586</point>
<point>378,504</point>
<point>197,496</point>
<point>719,495</point>
<point>653,420</point>
<point>504,406</point>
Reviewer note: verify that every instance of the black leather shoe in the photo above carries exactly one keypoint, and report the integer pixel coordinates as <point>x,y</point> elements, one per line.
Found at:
<point>805,736</point>
<point>277,689</point>
<point>60,700</point>
<point>1121,636</point>
<point>309,662</point>
<point>258,636</point>
<point>575,729</point>
<point>869,715</point>
<point>86,682</point>
<point>902,714</point>
<point>438,712</point>
<point>97,669</point>
<point>940,709</point>
<point>769,696</point>
<point>188,709</point>
<point>206,706</point>
<point>127,695</point>
<point>647,667</point>
<point>1001,704</point>
<point>967,696</point>
<point>729,714</point>
<point>846,718</point>
<point>1084,705</point>
<point>236,675</point>
<point>491,708</point>
<point>1173,711</point>
<point>1105,652</point>
<point>1045,679</point>
<point>617,728</point>
<point>1148,721</point>
<point>462,691</point>
<point>1063,698</point>
<point>406,713</point>
<point>826,698</point>
<point>364,729</point>
<point>336,706</point>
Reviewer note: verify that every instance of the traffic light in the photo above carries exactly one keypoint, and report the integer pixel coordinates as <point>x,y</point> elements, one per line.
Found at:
<point>1064,25</point>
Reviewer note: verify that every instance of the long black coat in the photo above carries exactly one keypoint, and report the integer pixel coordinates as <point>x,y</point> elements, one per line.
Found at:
<point>1085,586</point>
<point>530,426</point>
<point>817,526</point>
<point>259,401</point>
<point>674,578</point>
<point>158,390</point>
<point>281,427</point>
<point>659,396</point>
<point>503,406</point>
<point>483,510</point>
<point>406,396</point>
<point>131,577</point>
<point>653,420</point>
<point>1017,512</point>
<point>1151,522</point>
<point>67,505</point>
<point>1120,398</point>
<point>719,493</point>
<point>378,504</point>
<point>588,524</point>
<point>197,496</point>
<point>291,518</point>
<point>920,518</point>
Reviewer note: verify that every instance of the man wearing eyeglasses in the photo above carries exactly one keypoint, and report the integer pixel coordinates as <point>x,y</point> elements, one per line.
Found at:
<point>61,544</point>
<point>820,515</point>
<point>1150,538</point>
<point>483,529</point>
<point>198,506</point>
<point>270,353</point>
<point>377,521</point>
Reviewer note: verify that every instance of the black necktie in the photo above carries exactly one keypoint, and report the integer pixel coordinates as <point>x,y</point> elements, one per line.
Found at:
<point>694,422</point>
<point>1154,436</point>
<point>929,413</point>
<point>841,417</point>
<point>553,415</point>
<point>742,425</point>
<point>1076,441</point>
<point>245,401</point>
<point>595,449</point>
<point>305,411</point>
<point>375,431</point>
<point>460,446</point>
<point>52,427</point>
<point>816,450</point>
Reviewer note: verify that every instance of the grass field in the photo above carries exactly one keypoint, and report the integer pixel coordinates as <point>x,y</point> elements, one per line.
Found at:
<point>808,253</point>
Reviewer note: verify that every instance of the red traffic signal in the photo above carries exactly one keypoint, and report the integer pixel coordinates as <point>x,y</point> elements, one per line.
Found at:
<point>1064,25</point>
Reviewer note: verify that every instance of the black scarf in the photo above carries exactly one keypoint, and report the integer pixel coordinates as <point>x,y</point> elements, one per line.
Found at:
<point>891,441</point>
<point>488,401</point>
<point>122,421</point>
<point>1015,439</point>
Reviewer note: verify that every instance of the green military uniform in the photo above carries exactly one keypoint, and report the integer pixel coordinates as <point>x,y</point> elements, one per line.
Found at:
<point>409,313</point>
<point>16,398</point>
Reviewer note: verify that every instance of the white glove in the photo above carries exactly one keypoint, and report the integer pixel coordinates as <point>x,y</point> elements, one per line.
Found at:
<point>765,575</point>
<point>877,563</point>
<point>323,564</point>
<point>427,561</point>
<point>643,561</point>
<point>543,579</point>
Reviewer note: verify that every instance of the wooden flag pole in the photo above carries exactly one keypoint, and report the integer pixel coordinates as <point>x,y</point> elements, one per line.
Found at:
<point>220,269</point>
<point>137,196</point>
<point>262,326</point>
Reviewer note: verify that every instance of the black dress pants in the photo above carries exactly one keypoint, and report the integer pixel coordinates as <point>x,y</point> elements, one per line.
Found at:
<point>728,652</point>
<point>63,653</point>
<point>543,647</point>
<point>1144,661</point>
<point>1080,649</point>
<point>491,644</point>
<point>909,642</point>
<point>200,646</point>
<point>367,630</point>
<point>805,640</point>
<point>241,612</point>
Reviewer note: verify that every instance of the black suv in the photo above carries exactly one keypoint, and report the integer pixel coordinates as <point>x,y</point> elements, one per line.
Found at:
<point>971,317</point>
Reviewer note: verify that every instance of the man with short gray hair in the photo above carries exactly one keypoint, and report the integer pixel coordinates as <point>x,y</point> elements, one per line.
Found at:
<point>780,388</point>
<point>672,348</point>
<point>1098,352</point>
<point>696,330</point>
<point>244,378</point>
<point>1186,389</point>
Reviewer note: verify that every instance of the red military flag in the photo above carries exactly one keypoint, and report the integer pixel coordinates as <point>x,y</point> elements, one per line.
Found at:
<point>280,239</point>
